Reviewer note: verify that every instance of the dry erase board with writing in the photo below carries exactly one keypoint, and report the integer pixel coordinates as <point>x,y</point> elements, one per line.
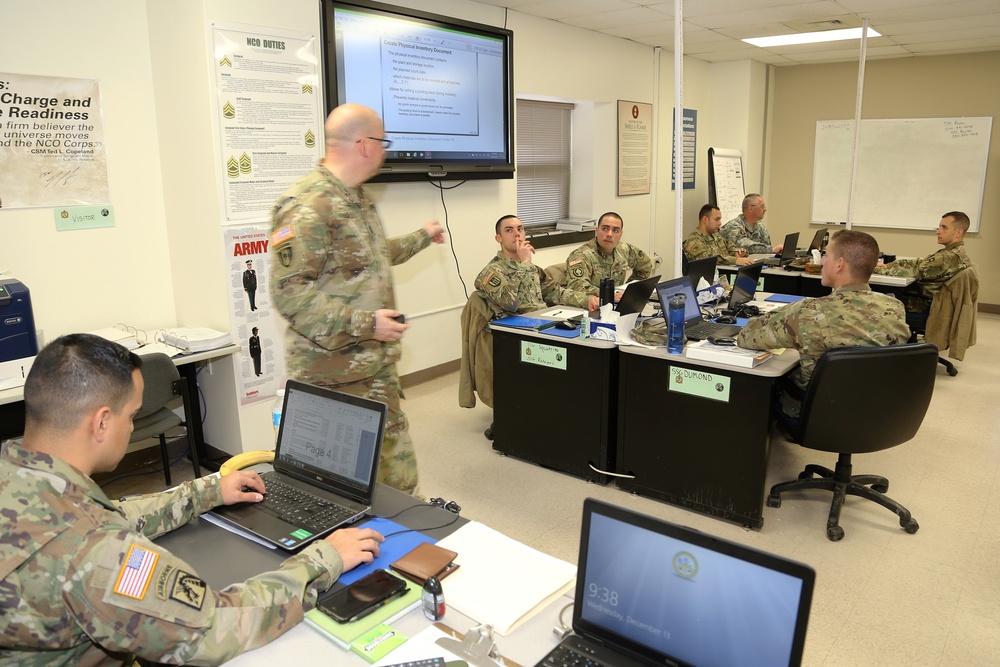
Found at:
<point>909,171</point>
<point>725,181</point>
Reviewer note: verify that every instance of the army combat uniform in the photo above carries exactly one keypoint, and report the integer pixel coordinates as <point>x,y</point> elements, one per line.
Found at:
<point>931,272</point>
<point>700,246</point>
<point>853,315</point>
<point>509,286</point>
<point>586,265</point>
<point>756,239</point>
<point>331,271</point>
<point>83,584</point>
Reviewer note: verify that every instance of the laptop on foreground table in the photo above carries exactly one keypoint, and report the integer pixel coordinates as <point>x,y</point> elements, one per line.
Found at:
<point>652,593</point>
<point>325,465</point>
<point>695,326</point>
<point>787,252</point>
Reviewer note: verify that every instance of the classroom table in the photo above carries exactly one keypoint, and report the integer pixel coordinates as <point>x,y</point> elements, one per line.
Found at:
<point>553,400</point>
<point>223,558</point>
<point>696,433</point>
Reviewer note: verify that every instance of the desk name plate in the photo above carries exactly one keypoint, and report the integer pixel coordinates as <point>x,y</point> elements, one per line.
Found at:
<point>699,383</point>
<point>540,354</point>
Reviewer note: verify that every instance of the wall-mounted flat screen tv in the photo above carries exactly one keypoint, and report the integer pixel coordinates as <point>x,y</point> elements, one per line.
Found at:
<point>442,86</point>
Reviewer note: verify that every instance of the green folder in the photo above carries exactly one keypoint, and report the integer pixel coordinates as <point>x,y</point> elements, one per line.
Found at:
<point>343,634</point>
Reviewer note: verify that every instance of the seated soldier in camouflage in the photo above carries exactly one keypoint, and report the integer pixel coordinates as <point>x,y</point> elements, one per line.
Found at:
<point>605,256</point>
<point>83,582</point>
<point>853,315</point>
<point>706,241</point>
<point>934,271</point>
<point>511,284</point>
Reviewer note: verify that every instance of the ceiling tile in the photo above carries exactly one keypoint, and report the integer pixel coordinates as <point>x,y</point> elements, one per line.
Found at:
<point>565,9</point>
<point>958,23</point>
<point>755,14</point>
<point>604,20</point>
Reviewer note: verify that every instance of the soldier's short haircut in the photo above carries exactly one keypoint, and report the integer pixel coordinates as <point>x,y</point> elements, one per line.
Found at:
<point>961,219</point>
<point>502,218</point>
<point>859,250</point>
<point>613,215</point>
<point>706,211</point>
<point>749,200</point>
<point>74,375</point>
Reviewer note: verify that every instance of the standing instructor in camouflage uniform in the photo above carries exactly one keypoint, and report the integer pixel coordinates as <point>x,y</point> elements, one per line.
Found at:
<point>332,280</point>
<point>83,582</point>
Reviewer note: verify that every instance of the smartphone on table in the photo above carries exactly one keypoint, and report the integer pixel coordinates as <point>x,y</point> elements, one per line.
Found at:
<point>362,597</point>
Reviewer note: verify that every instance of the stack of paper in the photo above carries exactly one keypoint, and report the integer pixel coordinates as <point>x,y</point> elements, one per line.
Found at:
<point>501,581</point>
<point>196,339</point>
<point>726,354</point>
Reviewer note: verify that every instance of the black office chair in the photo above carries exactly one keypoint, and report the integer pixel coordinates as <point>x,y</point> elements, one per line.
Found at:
<point>844,410</point>
<point>162,385</point>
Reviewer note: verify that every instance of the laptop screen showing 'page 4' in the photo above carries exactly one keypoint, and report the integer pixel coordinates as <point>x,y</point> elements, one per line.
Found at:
<point>684,601</point>
<point>336,439</point>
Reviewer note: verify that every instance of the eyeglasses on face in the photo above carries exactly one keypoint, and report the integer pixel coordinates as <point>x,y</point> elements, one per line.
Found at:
<point>386,143</point>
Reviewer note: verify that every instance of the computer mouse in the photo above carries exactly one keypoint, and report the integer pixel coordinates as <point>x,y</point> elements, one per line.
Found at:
<point>565,324</point>
<point>725,319</point>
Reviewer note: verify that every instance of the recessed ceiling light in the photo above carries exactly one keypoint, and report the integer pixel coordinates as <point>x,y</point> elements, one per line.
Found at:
<point>810,37</point>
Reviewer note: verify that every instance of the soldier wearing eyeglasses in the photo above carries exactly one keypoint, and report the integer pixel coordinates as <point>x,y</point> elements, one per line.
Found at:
<point>332,280</point>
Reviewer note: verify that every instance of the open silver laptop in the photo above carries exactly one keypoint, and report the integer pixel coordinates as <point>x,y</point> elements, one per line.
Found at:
<point>325,468</point>
<point>652,593</point>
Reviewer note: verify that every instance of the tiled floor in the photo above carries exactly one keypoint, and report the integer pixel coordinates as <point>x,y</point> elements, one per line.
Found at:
<point>883,597</point>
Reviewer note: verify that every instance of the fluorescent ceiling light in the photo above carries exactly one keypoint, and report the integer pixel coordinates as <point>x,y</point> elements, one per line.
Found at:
<point>810,37</point>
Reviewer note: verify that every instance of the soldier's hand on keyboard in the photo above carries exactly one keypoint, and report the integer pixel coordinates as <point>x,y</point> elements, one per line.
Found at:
<point>242,486</point>
<point>356,545</point>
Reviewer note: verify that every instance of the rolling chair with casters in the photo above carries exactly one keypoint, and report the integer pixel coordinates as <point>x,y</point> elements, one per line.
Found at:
<point>162,384</point>
<point>950,321</point>
<point>844,411</point>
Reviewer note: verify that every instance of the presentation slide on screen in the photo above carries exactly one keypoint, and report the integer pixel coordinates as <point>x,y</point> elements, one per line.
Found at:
<point>435,89</point>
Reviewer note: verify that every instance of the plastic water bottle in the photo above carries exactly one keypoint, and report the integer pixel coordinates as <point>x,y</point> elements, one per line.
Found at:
<point>276,406</point>
<point>675,325</point>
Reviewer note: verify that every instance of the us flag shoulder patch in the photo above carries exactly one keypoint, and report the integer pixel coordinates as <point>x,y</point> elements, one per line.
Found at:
<point>282,234</point>
<point>136,573</point>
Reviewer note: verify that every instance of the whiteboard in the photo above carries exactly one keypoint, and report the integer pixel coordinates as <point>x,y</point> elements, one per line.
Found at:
<point>725,181</point>
<point>909,171</point>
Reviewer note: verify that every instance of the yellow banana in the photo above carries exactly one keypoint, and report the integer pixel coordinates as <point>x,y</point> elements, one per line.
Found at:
<point>246,459</point>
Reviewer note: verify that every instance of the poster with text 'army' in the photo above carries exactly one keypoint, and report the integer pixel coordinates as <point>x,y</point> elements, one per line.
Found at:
<point>269,115</point>
<point>52,149</point>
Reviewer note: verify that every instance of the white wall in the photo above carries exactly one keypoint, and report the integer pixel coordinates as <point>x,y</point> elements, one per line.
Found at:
<point>163,264</point>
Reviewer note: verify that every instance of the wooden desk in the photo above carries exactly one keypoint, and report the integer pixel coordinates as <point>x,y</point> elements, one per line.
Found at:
<point>708,451</point>
<point>561,416</point>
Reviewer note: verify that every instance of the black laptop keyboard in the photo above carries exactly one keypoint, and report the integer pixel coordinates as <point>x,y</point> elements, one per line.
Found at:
<point>300,508</point>
<point>704,329</point>
<point>568,656</point>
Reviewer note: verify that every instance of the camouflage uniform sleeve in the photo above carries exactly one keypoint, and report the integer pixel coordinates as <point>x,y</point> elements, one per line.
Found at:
<point>901,267</point>
<point>580,273</point>
<point>159,513</point>
<point>402,248</point>
<point>774,330</point>
<point>129,595</point>
<point>503,290</point>
<point>640,263</point>
<point>553,293</point>
<point>939,267</point>
<point>302,246</point>
<point>695,248</point>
